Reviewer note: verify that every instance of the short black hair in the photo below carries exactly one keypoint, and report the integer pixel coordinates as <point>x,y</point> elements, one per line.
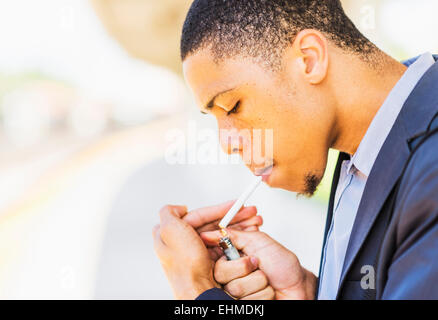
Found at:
<point>263,28</point>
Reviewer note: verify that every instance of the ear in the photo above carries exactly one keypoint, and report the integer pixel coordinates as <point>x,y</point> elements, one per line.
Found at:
<point>311,48</point>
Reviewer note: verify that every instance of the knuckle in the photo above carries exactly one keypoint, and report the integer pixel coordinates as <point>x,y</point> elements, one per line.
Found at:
<point>165,231</point>
<point>227,271</point>
<point>219,273</point>
<point>235,289</point>
<point>260,220</point>
<point>260,275</point>
<point>166,209</point>
<point>246,266</point>
<point>270,293</point>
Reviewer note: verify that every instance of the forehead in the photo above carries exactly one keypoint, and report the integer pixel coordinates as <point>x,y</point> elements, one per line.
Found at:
<point>207,77</point>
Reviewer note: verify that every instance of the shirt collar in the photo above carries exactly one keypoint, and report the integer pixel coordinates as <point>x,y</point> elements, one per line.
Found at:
<point>378,131</point>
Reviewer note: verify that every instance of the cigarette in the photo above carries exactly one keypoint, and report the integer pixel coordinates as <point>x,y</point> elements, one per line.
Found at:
<point>239,203</point>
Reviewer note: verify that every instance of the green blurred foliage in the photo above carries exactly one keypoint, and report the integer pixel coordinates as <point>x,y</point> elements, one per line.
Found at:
<point>323,192</point>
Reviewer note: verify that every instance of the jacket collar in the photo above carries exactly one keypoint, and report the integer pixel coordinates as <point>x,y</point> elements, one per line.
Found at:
<point>381,125</point>
<point>416,113</point>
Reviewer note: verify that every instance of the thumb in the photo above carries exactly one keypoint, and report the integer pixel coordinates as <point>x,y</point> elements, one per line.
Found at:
<point>246,241</point>
<point>170,212</point>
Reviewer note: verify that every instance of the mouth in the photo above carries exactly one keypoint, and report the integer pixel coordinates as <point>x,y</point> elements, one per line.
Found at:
<point>265,171</point>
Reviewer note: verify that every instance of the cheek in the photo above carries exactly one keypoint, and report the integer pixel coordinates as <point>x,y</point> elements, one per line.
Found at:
<point>300,148</point>
<point>252,138</point>
<point>300,145</point>
<point>296,156</point>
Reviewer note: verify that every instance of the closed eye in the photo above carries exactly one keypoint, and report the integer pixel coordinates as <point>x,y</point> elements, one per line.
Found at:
<point>235,109</point>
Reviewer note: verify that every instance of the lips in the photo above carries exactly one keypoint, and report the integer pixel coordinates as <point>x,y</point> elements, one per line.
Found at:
<point>265,171</point>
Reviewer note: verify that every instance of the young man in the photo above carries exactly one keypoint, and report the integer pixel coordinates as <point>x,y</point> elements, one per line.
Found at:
<point>301,68</point>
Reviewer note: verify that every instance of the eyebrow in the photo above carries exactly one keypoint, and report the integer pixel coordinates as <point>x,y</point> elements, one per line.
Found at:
<point>210,103</point>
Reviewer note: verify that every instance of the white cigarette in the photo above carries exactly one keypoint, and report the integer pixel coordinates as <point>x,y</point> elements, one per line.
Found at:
<point>239,203</point>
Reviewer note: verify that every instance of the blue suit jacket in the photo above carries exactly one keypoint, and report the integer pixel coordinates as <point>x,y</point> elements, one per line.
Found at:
<point>393,247</point>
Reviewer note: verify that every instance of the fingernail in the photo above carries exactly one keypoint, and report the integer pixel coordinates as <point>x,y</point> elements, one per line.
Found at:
<point>254,261</point>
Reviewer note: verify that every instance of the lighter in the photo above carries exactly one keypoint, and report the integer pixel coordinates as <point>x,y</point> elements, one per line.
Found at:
<point>225,243</point>
<point>227,246</point>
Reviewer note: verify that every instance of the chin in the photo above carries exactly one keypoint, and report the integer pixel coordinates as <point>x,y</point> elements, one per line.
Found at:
<point>286,181</point>
<point>274,179</point>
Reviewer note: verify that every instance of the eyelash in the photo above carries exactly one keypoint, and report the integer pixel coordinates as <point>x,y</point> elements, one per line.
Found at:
<point>234,110</point>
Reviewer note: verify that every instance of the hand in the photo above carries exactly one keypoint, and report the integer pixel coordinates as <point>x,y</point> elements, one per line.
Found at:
<point>182,254</point>
<point>242,279</point>
<point>208,218</point>
<point>281,267</point>
<point>186,261</point>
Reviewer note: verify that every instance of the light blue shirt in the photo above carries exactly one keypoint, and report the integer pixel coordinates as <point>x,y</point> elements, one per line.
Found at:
<point>354,175</point>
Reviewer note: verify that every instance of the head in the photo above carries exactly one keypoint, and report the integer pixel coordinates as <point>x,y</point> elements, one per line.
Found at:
<point>272,65</point>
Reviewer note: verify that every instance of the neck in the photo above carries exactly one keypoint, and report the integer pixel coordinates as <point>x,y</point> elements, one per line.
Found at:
<point>361,91</point>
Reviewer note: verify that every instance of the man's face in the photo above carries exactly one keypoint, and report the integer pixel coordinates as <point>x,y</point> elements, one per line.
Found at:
<point>250,97</point>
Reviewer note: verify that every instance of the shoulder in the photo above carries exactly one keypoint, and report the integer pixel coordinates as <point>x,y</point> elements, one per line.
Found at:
<point>417,199</point>
<point>412,236</point>
<point>424,162</point>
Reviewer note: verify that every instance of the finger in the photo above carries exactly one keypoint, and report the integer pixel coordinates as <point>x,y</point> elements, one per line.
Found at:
<point>242,287</point>
<point>226,271</point>
<point>240,239</point>
<point>159,247</point>
<point>252,228</point>
<point>208,227</point>
<point>177,211</point>
<point>244,214</point>
<point>266,294</point>
<point>215,253</point>
<point>212,238</point>
<point>245,218</point>
<point>213,214</point>
<point>199,217</point>
<point>172,227</point>
<point>254,221</point>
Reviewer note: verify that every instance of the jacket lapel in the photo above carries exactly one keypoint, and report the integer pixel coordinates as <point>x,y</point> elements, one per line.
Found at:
<point>342,156</point>
<point>414,117</point>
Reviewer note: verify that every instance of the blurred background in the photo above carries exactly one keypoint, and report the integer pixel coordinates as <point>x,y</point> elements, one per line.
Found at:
<point>89,90</point>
